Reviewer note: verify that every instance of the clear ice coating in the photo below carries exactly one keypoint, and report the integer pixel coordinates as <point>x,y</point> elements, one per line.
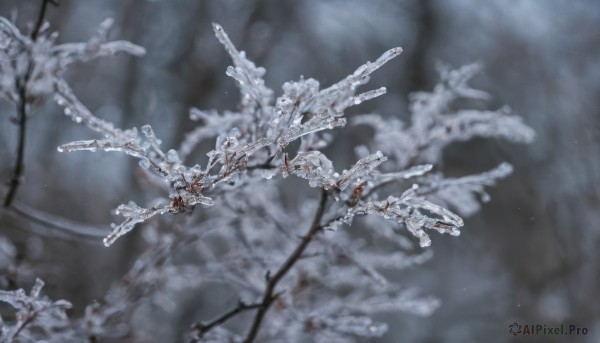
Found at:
<point>265,137</point>
<point>304,112</point>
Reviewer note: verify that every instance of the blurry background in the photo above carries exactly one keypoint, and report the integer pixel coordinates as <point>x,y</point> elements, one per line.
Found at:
<point>530,256</point>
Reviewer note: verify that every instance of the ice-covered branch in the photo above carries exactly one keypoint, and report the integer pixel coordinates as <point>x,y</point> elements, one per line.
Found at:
<point>410,209</point>
<point>434,125</point>
<point>325,284</point>
<point>255,95</point>
<point>464,193</point>
<point>37,317</point>
<point>239,136</point>
<point>42,62</point>
<point>31,68</point>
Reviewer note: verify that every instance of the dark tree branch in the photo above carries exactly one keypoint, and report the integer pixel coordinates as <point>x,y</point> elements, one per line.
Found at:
<point>201,328</point>
<point>272,280</point>
<point>40,19</point>
<point>19,165</point>
<point>265,165</point>
<point>21,86</point>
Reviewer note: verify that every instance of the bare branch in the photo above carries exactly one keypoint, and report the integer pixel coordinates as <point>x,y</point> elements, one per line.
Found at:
<point>201,328</point>
<point>269,294</point>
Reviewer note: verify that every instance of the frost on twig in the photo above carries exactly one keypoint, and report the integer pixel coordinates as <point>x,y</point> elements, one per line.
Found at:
<point>365,166</point>
<point>313,166</point>
<point>410,209</point>
<point>32,65</point>
<point>434,124</point>
<point>37,317</point>
<point>255,95</point>
<point>464,193</point>
<point>43,62</point>
<point>416,213</point>
<point>253,229</point>
<point>188,183</point>
<point>253,138</point>
<point>361,326</point>
<point>333,283</point>
<point>213,124</point>
<point>405,174</point>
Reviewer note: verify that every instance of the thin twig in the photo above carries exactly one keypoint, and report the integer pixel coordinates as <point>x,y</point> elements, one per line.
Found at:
<point>19,165</point>
<point>262,166</point>
<point>265,165</point>
<point>40,19</point>
<point>56,226</point>
<point>29,318</point>
<point>21,86</point>
<point>202,329</point>
<point>272,281</point>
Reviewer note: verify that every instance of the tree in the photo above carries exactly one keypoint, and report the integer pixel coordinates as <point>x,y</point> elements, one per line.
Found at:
<point>312,278</point>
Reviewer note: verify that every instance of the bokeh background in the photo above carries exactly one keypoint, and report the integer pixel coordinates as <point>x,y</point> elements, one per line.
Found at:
<point>530,256</point>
